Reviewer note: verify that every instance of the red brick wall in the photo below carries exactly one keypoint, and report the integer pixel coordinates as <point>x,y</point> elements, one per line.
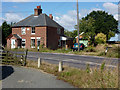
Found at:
<point>39,32</point>
<point>52,38</point>
<point>9,42</point>
<point>49,36</point>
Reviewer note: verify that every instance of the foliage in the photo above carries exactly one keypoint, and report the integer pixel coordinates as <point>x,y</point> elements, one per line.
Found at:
<point>104,22</point>
<point>6,31</point>
<point>90,49</point>
<point>72,34</point>
<point>100,38</point>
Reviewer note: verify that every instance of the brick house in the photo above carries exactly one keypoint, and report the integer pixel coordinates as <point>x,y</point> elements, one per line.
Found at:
<point>35,30</point>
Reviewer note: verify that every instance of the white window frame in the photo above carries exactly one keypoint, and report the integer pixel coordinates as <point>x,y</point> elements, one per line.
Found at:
<point>31,43</point>
<point>32,30</point>
<point>23,30</point>
<point>23,43</point>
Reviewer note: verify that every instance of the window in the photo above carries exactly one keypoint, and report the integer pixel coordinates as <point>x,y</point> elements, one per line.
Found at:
<point>23,30</point>
<point>38,42</point>
<point>32,43</point>
<point>23,43</point>
<point>59,43</point>
<point>58,31</point>
<point>33,30</point>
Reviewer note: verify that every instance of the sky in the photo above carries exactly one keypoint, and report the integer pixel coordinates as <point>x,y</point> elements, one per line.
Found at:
<point>64,13</point>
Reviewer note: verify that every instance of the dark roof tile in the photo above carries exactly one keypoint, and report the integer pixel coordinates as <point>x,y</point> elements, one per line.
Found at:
<point>41,20</point>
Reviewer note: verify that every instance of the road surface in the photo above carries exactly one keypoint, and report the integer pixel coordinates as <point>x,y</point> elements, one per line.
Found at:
<point>21,77</point>
<point>78,61</point>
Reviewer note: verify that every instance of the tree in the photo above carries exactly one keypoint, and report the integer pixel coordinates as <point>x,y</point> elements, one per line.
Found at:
<point>104,23</point>
<point>100,38</point>
<point>6,31</point>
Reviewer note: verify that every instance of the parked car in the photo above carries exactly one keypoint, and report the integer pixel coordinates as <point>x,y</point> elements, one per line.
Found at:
<point>81,46</point>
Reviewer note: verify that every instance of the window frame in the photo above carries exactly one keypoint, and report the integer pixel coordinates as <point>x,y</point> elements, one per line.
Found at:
<point>23,43</point>
<point>32,30</point>
<point>23,29</point>
<point>32,45</point>
<point>58,31</point>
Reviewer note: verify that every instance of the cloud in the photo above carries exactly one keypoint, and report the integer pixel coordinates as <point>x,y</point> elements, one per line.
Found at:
<point>12,17</point>
<point>111,8</point>
<point>67,20</point>
<point>116,16</point>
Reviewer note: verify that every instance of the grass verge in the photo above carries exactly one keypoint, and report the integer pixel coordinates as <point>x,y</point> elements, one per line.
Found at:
<point>89,78</point>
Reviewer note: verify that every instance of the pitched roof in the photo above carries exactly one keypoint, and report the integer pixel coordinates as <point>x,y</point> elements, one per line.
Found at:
<point>17,36</point>
<point>41,20</point>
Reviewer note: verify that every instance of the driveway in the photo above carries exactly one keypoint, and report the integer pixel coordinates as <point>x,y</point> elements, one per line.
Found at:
<point>21,77</point>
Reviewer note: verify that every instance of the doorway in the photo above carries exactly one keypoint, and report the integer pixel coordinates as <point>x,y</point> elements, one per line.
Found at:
<point>12,43</point>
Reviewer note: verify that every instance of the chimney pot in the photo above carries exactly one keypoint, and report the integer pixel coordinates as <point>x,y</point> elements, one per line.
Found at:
<point>50,15</point>
<point>37,11</point>
<point>38,7</point>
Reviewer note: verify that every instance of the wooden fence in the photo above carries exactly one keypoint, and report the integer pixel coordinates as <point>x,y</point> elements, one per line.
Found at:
<point>9,57</point>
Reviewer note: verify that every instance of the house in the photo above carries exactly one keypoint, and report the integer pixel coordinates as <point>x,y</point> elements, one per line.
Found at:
<point>82,39</point>
<point>35,30</point>
<point>115,39</point>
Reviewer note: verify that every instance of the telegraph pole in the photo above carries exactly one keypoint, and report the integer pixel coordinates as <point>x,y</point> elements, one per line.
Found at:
<point>78,24</point>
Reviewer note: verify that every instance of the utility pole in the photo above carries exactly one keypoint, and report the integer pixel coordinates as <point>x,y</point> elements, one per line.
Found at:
<point>78,24</point>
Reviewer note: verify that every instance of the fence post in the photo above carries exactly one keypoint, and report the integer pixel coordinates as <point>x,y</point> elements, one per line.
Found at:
<point>39,62</point>
<point>26,52</point>
<point>60,66</point>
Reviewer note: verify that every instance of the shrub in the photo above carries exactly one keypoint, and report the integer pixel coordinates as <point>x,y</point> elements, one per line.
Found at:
<point>90,49</point>
<point>100,38</point>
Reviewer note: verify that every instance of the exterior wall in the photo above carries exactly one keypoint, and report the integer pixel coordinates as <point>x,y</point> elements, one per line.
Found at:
<point>49,36</point>
<point>52,38</point>
<point>39,32</point>
<point>9,42</point>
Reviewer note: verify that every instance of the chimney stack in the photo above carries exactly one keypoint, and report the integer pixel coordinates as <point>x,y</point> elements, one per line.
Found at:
<point>37,11</point>
<point>50,15</point>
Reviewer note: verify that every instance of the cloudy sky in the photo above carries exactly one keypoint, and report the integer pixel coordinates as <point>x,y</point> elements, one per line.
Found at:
<point>63,12</point>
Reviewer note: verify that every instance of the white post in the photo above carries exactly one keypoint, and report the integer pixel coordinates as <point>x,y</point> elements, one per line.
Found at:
<point>60,66</point>
<point>39,62</point>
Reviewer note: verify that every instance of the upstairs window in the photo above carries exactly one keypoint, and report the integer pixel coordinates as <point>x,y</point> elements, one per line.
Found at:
<point>33,30</point>
<point>23,30</point>
<point>58,31</point>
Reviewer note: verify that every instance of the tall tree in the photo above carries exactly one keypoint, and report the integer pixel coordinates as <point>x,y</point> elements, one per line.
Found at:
<point>6,31</point>
<point>104,23</point>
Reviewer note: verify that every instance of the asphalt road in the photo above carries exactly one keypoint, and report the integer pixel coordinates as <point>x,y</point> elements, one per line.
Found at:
<point>21,77</point>
<point>79,61</point>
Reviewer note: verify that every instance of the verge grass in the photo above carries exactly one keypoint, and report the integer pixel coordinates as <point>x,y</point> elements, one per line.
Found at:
<point>87,78</point>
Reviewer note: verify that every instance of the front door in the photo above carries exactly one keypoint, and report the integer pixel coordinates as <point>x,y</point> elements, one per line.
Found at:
<point>12,43</point>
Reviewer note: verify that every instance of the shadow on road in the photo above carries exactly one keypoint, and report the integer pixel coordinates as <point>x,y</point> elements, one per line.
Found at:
<point>5,71</point>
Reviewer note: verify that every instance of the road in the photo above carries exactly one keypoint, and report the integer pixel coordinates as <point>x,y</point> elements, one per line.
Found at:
<point>21,77</point>
<point>78,61</point>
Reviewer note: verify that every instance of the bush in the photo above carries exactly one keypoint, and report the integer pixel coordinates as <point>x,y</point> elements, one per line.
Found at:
<point>100,38</point>
<point>90,49</point>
